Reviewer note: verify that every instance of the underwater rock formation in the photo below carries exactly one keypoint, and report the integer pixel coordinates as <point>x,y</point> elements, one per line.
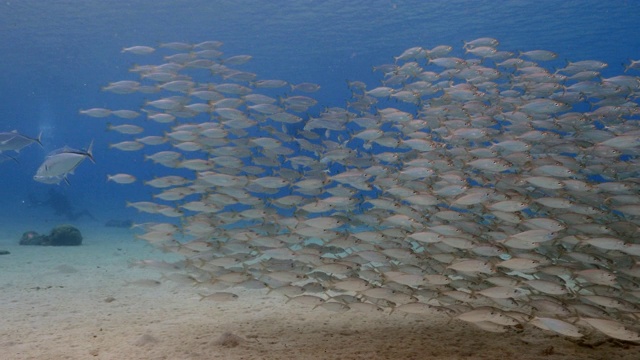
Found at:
<point>65,235</point>
<point>33,238</point>
<point>61,235</point>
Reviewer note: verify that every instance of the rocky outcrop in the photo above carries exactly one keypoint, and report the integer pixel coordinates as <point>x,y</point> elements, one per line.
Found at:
<point>61,235</point>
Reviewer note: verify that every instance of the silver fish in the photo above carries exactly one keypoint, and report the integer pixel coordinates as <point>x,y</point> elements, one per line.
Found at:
<point>60,163</point>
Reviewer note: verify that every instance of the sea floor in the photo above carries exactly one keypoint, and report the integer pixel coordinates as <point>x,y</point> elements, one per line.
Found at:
<point>76,303</point>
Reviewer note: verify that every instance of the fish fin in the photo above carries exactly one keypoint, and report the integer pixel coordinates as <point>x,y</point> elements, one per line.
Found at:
<point>39,139</point>
<point>90,152</point>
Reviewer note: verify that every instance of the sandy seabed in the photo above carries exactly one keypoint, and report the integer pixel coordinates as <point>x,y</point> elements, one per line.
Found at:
<point>76,303</point>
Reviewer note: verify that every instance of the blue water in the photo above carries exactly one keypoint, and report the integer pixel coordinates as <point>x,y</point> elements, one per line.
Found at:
<point>56,55</point>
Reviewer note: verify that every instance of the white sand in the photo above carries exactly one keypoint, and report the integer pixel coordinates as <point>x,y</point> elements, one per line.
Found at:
<point>51,312</point>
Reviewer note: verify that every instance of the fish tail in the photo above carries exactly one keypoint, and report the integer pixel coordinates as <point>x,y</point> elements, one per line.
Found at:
<point>39,139</point>
<point>90,152</point>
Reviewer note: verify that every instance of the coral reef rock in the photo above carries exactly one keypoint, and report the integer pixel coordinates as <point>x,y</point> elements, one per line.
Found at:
<point>61,235</point>
<point>65,235</point>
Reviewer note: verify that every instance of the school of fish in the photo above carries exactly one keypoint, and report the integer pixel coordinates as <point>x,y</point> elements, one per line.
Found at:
<point>485,186</point>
